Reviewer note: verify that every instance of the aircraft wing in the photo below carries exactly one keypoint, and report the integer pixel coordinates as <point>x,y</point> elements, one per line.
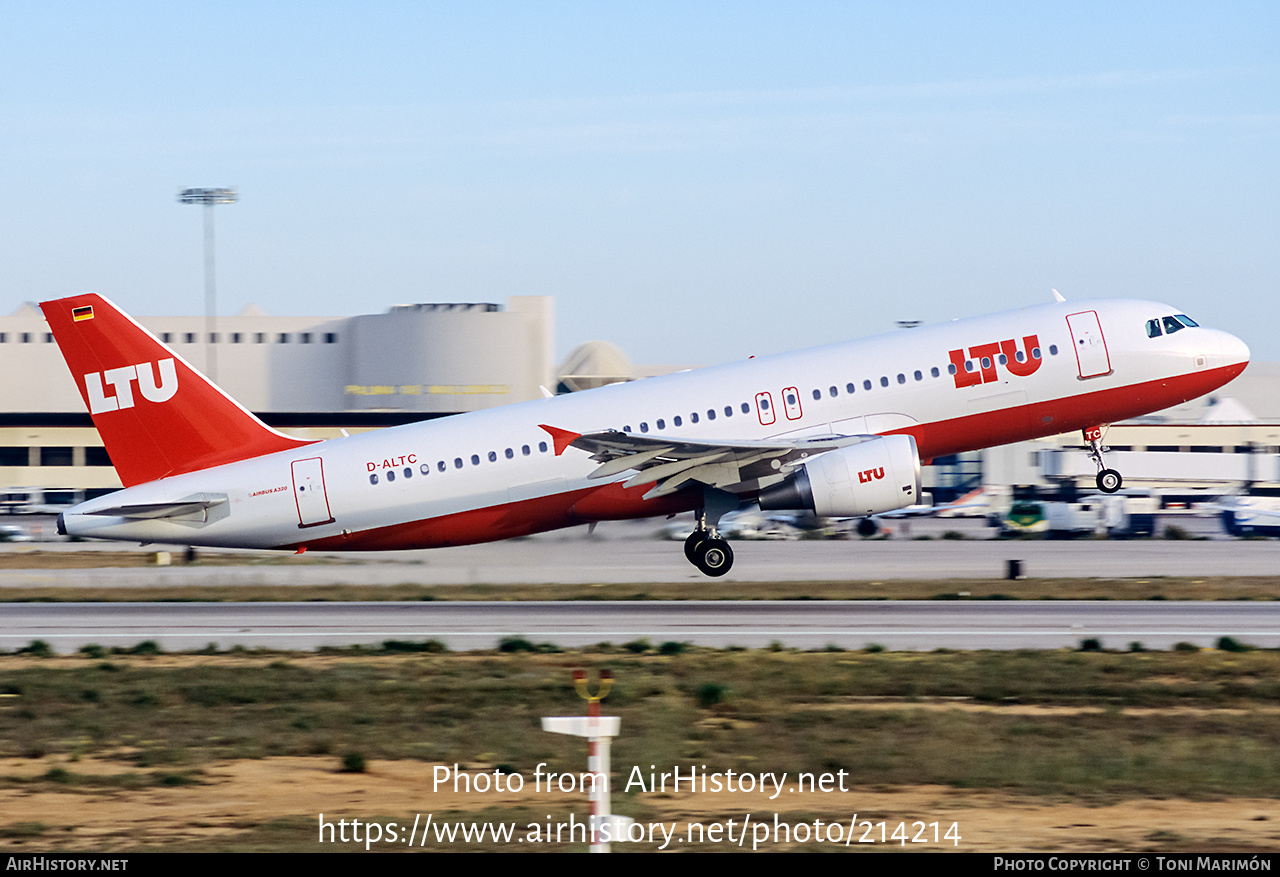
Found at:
<point>671,464</point>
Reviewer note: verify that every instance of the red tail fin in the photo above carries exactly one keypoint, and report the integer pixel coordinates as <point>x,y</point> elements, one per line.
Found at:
<point>157,415</point>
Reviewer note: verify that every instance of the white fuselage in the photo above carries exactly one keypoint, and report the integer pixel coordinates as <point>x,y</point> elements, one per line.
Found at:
<point>495,474</point>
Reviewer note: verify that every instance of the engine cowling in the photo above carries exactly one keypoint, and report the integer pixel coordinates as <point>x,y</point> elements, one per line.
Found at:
<point>871,477</point>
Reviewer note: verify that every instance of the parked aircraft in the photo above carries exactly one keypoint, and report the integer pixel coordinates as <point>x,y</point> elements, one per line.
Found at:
<point>839,431</point>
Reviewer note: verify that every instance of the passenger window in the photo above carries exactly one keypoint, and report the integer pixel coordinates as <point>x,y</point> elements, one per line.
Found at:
<point>391,476</point>
<point>849,388</point>
<point>542,446</point>
<point>441,466</point>
<point>728,411</point>
<point>644,427</point>
<point>902,379</point>
<point>373,479</point>
<point>493,456</point>
<point>817,394</point>
<point>457,462</point>
<point>408,473</point>
<point>746,409</point>
<point>918,376</point>
<point>934,371</point>
<point>884,382</point>
<point>475,459</point>
<point>424,469</point>
<point>866,385</point>
<point>1153,329</point>
<point>711,414</point>
<point>510,453</point>
<point>662,424</point>
<point>676,421</point>
<point>524,449</point>
<point>693,418</point>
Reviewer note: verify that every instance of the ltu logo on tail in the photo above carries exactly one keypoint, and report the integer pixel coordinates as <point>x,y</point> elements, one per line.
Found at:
<point>123,379</point>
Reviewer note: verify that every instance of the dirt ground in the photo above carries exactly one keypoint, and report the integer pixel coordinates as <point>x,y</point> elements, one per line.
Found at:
<point>234,796</point>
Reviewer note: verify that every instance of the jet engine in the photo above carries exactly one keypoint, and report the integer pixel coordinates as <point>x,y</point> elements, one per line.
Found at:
<point>869,478</point>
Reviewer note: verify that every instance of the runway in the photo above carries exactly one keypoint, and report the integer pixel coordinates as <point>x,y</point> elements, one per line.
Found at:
<point>897,625</point>
<point>631,552</point>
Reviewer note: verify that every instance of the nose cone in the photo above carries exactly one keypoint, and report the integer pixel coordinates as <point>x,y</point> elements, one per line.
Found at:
<point>1228,353</point>
<point>1236,350</point>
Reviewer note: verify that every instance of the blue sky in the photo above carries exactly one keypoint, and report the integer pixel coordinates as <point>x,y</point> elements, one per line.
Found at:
<point>693,181</point>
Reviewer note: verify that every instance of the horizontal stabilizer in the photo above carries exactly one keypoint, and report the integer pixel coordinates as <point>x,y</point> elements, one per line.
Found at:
<point>197,505</point>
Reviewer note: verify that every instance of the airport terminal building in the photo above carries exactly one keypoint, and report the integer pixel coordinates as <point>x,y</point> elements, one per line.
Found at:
<point>308,376</point>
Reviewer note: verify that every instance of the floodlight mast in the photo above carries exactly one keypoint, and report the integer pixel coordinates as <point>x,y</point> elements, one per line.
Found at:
<point>209,198</point>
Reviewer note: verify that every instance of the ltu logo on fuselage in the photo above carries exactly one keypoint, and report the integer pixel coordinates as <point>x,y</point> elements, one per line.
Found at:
<point>1022,363</point>
<point>122,379</point>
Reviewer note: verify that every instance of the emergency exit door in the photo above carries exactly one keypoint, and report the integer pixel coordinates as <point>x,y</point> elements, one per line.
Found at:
<point>1091,348</point>
<point>309,492</point>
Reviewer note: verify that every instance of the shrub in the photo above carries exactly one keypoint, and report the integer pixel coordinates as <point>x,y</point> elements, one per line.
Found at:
<point>515,644</point>
<point>353,762</point>
<point>1231,644</point>
<point>712,693</point>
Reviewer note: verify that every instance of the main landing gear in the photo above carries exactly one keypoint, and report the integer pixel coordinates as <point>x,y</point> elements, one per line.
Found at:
<point>708,552</point>
<point>705,548</point>
<point>1108,480</point>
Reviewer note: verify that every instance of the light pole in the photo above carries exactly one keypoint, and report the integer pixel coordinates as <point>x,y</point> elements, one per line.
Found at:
<point>209,198</point>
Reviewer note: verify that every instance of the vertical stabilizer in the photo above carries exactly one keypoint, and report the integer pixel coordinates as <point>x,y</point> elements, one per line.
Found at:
<point>156,414</point>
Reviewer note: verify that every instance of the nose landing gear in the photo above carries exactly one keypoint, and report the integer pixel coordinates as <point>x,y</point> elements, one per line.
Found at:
<point>1108,480</point>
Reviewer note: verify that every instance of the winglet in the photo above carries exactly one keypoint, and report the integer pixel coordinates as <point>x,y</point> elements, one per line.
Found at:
<point>560,438</point>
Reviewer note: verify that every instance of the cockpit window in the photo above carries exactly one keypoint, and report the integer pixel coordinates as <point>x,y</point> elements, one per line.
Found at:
<point>1169,325</point>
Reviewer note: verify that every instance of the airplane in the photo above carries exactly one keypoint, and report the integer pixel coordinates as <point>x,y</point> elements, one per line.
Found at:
<point>839,431</point>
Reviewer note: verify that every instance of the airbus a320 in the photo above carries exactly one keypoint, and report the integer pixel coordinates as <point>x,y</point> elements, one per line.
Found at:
<point>839,431</point>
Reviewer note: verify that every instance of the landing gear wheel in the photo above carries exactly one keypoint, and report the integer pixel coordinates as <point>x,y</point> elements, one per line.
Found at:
<point>691,545</point>
<point>1109,481</point>
<point>713,556</point>
<point>867,528</point>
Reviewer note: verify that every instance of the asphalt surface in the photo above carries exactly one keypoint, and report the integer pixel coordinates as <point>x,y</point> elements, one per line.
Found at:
<point>632,552</point>
<point>895,625</point>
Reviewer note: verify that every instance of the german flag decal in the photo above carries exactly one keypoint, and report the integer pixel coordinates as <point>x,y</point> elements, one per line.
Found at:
<point>84,313</point>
